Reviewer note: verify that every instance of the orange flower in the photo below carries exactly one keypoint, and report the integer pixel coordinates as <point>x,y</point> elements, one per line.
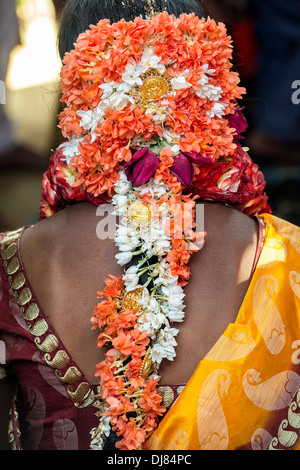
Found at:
<point>103,313</point>
<point>114,286</point>
<point>119,406</point>
<point>166,161</point>
<point>190,143</point>
<point>123,343</point>
<point>104,371</point>
<point>151,400</point>
<point>128,342</point>
<point>134,367</point>
<point>69,123</point>
<point>133,436</point>
<point>125,320</point>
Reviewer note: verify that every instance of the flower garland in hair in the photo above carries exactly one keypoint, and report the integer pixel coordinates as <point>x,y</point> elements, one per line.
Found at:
<point>151,122</point>
<point>136,316</point>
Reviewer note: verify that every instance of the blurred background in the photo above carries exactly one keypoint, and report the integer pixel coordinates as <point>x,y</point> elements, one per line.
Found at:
<point>266,37</point>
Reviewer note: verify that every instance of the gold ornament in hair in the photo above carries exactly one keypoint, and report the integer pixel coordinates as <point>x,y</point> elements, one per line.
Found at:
<point>150,7</point>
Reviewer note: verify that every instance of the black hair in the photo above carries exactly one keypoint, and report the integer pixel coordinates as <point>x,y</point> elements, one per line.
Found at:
<point>78,15</point>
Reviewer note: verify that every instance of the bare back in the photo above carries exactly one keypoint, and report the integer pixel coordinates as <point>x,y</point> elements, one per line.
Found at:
<point>66,264</point>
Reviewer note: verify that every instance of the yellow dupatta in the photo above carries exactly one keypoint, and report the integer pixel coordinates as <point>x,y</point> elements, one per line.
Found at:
<point>245,394</point>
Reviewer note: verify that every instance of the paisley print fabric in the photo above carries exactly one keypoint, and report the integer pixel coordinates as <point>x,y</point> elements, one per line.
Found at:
<point>245,394</point>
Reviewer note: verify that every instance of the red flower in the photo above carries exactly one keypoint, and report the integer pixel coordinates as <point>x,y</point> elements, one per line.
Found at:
<point>235,181</point>
<point>183,169</point>
<point>141,167</point>
<point>238,122</point>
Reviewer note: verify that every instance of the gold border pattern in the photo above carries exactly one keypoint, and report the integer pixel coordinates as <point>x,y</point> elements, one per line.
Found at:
<point>46,341</point>
<point>170,394</point>
<point>288,430</point>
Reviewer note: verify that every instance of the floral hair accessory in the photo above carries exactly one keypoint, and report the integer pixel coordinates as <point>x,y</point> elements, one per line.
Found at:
<point>155,83</point>
<point>151,122</point>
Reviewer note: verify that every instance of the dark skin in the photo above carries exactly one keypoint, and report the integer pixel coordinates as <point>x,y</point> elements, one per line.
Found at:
<point>66,264</point>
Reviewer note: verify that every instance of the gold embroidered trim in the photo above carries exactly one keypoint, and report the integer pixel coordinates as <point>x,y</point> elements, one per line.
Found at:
<point>169,394</point>
<point>13,266</point>
<point>48,343</point>
<point>24,296</point>
<point>18,281</point>
<point>32,312</point>
<point>288,430</point>
<point>10,251</point>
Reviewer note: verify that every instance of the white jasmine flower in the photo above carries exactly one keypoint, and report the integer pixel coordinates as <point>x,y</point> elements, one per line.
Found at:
<point>218,109</point>
<point>151,322</point>
<point>162,272</point>
<point>146,247</point>
<point>150,304</point>
<point>122,240</point>
<point>156,188</point>
<point>211,92</point>
<point>174,294</point>
<point>156,233</point>
<point>172,139</point>
<point>126,231</point>
<point>167,336</point>
<point>176,149</point>
<point>90,119</point>
<point>126,239</point>
<point>164,347</point>
<point>132,74</point>
<point>208,71</point>
<point>86,118</point>
<point>71,148</point>
<point>150,60</point>
<point>157,353</point>
<point>124,257</point>
<point>161,247</point>
<point>173,315</point>
<point>173,306</point>
<point>99,434</point>
<point>127,243</point>
<point>120,98</point>
<point>180,83</point>
<point>145,299</point>
<point>108,89</point>
<point>125,246</point>
<point>206,90</point>
<point>122,186</point>
<point>131,278</point>
<point>120,203</point>
<point>204,80</point>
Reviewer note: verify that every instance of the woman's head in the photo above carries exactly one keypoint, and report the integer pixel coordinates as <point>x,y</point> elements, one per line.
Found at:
<point>78,15</point>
